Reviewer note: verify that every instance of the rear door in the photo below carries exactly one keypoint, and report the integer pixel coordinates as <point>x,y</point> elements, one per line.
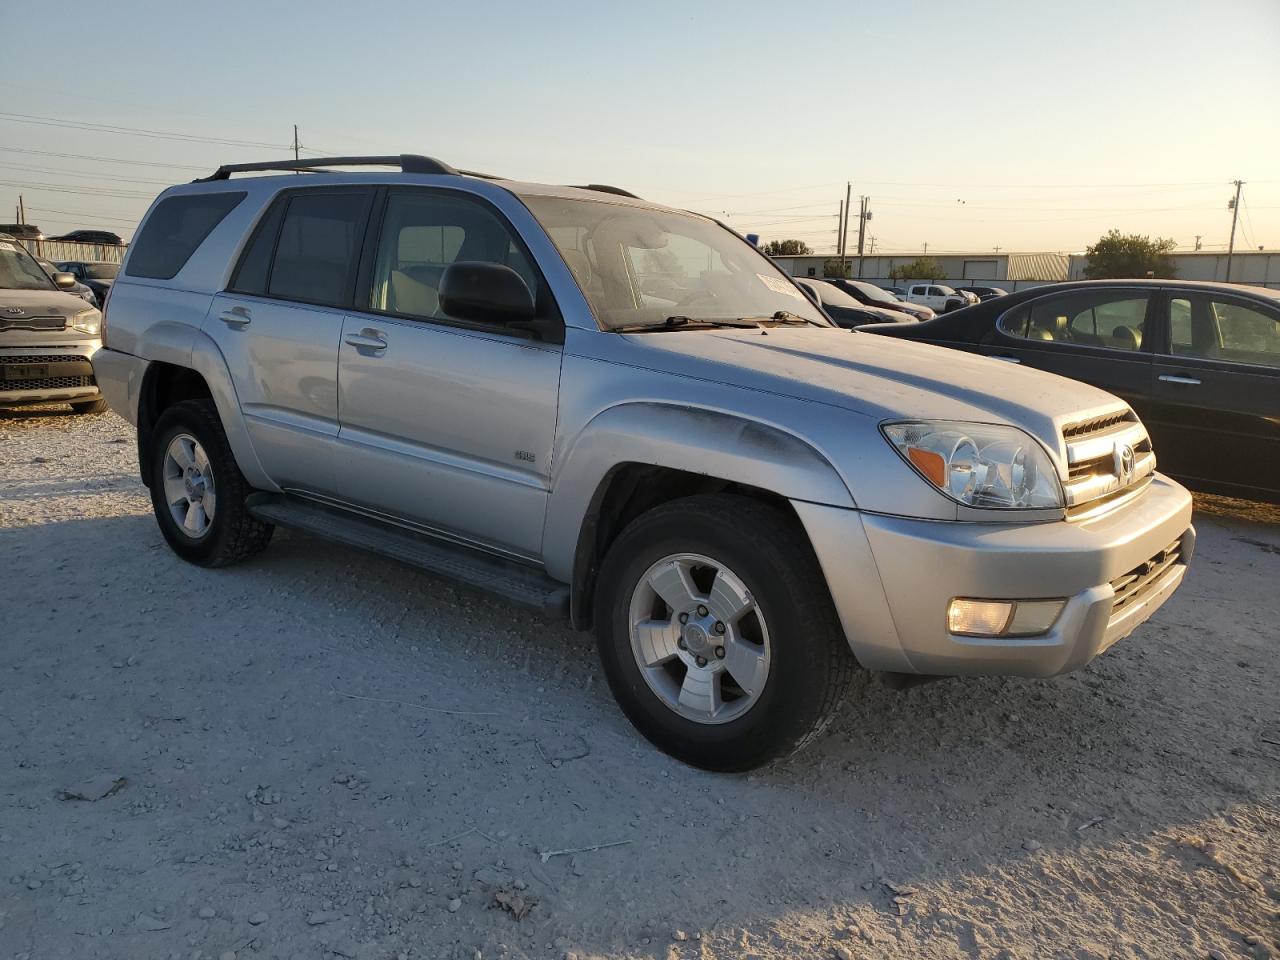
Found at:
<point>1095,335</point>
<point>279,324</point>
<point>1216,392</point>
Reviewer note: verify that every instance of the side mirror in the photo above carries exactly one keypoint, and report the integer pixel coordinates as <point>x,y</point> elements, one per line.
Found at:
<point>485,293</point>
<point>64,281</point>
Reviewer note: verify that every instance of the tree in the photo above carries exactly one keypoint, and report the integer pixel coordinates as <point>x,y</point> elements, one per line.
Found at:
<point>921,268</point>
<point>787,248</point>
<point>835,267</point>
<point>1128,255</point>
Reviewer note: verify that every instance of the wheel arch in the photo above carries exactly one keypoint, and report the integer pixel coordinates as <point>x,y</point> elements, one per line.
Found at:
<point>636,456</point>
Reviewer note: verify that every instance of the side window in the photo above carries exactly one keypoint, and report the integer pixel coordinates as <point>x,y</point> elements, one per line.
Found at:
<point>1112,319</point>
<point>319,247</point>
<point>1014,322</point>
<point>255,264</point>
<point>422,234</point>
<point>1224,330</point>
<point>936,292</point>
<point>176,227</point>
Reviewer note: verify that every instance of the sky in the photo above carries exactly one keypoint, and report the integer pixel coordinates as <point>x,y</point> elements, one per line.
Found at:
<point>971,125</point>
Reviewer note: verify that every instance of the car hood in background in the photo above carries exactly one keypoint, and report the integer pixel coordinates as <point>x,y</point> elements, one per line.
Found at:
<point>16,304</point>
<point>877,377</point>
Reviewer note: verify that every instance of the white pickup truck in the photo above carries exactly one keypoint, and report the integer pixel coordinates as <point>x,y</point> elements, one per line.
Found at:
<point>938,298</point>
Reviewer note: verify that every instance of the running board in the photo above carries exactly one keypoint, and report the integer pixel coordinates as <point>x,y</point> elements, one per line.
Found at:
<point>506,578</point>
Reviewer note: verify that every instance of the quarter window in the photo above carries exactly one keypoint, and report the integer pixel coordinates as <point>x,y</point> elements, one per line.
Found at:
<point>1111,319</point>
<point>1212,329</point>
<point>318,248</point>
<point>176,227</point>
<point>422,234</point>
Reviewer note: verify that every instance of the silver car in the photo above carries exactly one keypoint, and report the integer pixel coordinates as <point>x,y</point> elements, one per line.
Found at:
<point>625,414</point>
<point>48,336</point>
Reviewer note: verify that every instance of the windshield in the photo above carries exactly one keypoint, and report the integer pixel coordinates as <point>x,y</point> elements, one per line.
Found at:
<point>639,267</point>
<point>876,294</point>
<point>101,271</point>
<point>833,296</point>
<point>19,270</point>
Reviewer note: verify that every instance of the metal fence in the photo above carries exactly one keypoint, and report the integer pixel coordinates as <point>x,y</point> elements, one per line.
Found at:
<point>60,251</point>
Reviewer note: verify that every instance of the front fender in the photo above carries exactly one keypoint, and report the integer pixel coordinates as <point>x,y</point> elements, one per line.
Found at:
<point>693,439</point>
<point>208,361</point>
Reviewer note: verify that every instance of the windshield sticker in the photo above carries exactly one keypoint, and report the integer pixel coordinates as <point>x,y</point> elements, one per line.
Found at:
<point>778,285</point>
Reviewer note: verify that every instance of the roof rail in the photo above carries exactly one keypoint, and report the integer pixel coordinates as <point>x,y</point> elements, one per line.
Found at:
<point>605,188</point>
<point>407,162</point>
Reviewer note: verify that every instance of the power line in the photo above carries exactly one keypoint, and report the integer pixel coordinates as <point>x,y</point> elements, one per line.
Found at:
<point>63,188</point>
<point>82,156</point>
<point>132,131</point>
<point>80,173</point>
<point>119,221</point>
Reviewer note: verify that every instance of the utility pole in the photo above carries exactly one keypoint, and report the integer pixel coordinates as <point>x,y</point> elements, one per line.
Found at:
<point>840,231</point>
<point>296,145</point>
<point>1234,205</point>
<point>844,235</point>
<point>22,210</point>
<point>1198,236</point>
<point>873,245</point>
<point>863,216</point>
<point>926,248</point>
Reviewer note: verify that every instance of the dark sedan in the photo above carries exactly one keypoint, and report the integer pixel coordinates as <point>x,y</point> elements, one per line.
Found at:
<point>985,293</point>
<point>846,311</point>
<point>102,237</point>
<point>1199,362</point>
<point>98,275</point>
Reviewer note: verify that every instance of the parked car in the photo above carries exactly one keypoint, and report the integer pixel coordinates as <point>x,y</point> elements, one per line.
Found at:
<point>897,291</point>
<point>874,296</point>
<point>81,290</point>
<point>48,336</point>
<point>22,231</point>
<point>938,298</point>
<point>98,275</point>
<point>846,311</point>
<point>984,293</point>
<point>101,237</point>
<point>627,414</point>
<point>1199,363</point>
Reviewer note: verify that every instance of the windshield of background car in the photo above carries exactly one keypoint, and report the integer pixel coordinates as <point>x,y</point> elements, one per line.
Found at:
<point>101,271</point>
<point>877,295</point>
<point>833,296</point>
<point>19,270</point>
<point>639,266</point>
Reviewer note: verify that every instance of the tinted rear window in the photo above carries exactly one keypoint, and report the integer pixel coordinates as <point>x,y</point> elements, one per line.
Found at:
<point>174,230</point>
<point>318,248</point>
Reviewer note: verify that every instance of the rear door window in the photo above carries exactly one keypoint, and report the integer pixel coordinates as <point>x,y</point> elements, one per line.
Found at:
<point>318,247</point>
<point>175,229</point>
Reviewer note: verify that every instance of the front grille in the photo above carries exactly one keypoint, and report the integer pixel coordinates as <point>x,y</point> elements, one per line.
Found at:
<point>33,323</point>
<point>1138,582</point>
<point>48,383</point>
<point>1108,457</point>
<point>1097,424</point>
<point>42,358</point>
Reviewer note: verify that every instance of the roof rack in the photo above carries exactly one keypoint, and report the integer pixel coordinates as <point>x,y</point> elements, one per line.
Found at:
<point>407,162</point>
<point>605,188</point>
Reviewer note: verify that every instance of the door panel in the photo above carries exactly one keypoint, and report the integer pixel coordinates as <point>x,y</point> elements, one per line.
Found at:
<point>449,428</point>
<point>1096,337</point>
<point>447,423</point>
<point>1216,422</point>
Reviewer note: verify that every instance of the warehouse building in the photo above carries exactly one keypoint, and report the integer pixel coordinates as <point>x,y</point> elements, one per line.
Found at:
<point>1259,267</point>
<point>1007,270</point>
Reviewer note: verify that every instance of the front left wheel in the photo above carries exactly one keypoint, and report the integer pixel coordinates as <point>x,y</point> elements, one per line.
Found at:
<point>197,490</point>
<point>91,406</point>
<point>717,634</point>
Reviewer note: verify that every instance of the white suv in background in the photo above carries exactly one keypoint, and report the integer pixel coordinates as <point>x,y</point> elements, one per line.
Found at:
<point>937,297</point>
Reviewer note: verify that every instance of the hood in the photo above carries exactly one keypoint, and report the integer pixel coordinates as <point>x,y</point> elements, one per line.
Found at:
<point>881,378</point>
<point>886,314</point>
<point>39,303</point>
<point>917,310</point>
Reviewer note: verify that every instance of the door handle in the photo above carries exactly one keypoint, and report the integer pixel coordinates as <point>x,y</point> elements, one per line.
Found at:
<point>236,317</point>
<point>1188,381</point>
<point>367,341</point>
<point>1006,359</point>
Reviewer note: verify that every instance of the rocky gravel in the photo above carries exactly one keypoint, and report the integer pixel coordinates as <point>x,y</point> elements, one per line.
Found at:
<point>321,754</point>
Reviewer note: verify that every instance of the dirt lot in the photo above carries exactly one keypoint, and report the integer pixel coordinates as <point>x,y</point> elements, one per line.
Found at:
<point>323,754</point>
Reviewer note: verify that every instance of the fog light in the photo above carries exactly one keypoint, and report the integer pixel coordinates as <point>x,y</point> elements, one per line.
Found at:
<point>1002,618</point>
<point>979,618</point>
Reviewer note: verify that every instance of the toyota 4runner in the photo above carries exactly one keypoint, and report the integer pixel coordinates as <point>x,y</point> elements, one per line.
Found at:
<point>625,414</point>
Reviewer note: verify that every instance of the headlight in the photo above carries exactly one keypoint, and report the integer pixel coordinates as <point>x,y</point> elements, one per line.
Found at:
<point>89,322</point>
<point>978,464</point>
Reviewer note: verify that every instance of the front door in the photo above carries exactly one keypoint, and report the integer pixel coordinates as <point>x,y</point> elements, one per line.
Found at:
<point>278,327</point>
<point>445,423</point>
<point>1216,393</point>
<point>1097,336</point>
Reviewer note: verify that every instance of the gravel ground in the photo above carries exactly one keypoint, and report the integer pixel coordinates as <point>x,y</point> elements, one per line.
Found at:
<point>323,754</point>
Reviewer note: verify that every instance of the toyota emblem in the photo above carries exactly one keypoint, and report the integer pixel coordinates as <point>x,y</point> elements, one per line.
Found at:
<point>1124,463</point>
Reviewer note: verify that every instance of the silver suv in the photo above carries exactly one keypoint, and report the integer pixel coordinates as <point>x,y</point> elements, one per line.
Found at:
<point>48,336</point>
<point>626,415</point>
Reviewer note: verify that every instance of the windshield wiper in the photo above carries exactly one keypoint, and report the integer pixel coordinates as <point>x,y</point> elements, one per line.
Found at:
<point>672,323</point>
<point>784,316</point>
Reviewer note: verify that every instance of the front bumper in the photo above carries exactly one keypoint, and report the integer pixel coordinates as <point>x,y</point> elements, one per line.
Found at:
<point>65,373</point>
<point>892,579</point>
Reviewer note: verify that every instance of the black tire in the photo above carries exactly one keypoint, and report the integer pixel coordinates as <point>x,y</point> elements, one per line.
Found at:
<point>811,666</point>
<point>234,534</point>
<point>91,406</point>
